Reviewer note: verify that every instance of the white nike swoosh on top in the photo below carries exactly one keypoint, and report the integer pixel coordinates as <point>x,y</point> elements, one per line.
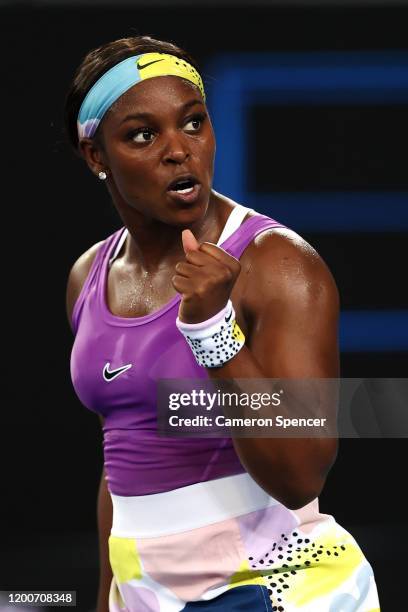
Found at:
<point>110,375</point>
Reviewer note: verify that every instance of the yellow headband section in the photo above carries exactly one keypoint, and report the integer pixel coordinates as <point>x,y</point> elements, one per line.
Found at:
<point>161,64</point>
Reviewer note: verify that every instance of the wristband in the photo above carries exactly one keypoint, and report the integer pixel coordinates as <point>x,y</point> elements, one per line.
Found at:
<point>215,341</point>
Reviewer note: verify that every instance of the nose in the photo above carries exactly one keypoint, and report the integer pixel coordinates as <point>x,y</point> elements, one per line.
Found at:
<point>176,151</point>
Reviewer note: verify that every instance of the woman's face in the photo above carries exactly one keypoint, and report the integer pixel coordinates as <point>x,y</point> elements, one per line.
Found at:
<point>159,148</point>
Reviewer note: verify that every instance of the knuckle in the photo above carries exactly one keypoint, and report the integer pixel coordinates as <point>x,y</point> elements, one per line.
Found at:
<point>227,275</point>
<point>236,264</point>
<point>201,290</point>
<point>192,257</point>
<point>205,246</point>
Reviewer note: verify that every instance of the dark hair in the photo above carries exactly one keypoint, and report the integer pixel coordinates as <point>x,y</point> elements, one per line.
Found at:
<point>98,61</point>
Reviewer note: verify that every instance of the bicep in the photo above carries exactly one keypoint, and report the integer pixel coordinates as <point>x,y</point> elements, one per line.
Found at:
<point>295,336</point>
<point>295,331</point>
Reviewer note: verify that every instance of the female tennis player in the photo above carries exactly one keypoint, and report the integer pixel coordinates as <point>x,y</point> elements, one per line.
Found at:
<point>197,286</point>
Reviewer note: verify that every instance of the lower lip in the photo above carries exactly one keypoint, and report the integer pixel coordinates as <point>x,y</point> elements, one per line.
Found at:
<point>186,198</point>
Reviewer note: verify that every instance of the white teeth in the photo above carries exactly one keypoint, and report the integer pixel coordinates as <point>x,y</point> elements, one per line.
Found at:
<point>189,190</point>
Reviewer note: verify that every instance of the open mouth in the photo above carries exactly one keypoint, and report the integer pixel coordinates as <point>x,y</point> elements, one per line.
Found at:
<point>184,190</point>
<point>183,186</point>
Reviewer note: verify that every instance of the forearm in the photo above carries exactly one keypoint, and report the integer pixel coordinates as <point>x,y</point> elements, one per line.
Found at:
<point>104,513</point>
<point>292,470</point>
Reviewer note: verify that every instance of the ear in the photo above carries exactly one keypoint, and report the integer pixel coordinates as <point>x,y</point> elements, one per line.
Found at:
<point>93,155</point>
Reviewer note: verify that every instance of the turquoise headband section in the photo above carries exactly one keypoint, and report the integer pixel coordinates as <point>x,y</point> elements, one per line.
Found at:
<point>122,77</point>
<point>104,93</point>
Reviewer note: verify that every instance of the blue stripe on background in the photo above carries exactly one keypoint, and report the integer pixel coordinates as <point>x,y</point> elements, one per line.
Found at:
<point>236,82</point>
<point>381,330</point>
<point>335,211</point>
<point>366,75</point>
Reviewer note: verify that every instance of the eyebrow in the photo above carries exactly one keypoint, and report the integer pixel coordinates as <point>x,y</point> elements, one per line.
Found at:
<point>185,107</point>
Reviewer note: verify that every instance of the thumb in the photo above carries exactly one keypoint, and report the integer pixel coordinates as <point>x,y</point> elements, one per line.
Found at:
<point>189,241</point>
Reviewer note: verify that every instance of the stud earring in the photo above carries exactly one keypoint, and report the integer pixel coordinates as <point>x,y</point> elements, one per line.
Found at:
<point>102,175</point>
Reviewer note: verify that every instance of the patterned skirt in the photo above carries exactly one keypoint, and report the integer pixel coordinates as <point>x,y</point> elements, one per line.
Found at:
<point>226,545</point>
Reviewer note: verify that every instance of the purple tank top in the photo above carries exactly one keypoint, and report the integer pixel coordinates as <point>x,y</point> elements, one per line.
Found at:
<point>137,460</point>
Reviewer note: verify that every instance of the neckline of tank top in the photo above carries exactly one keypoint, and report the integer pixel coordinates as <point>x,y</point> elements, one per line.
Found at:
<point>234,221</point>
<point>119,321</point>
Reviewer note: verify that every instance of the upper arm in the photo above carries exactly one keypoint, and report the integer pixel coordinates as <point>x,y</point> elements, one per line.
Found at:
<point>77,277</point>
<point>294,307</point>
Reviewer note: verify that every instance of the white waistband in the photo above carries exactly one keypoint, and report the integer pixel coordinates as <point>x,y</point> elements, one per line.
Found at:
<point>190,507</point>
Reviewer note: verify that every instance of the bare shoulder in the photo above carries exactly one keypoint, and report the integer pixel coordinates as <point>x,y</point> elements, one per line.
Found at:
<point>282,263</point>
<point>77,277</point>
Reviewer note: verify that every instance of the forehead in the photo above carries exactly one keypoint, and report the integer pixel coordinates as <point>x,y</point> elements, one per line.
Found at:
<point>156,95</point>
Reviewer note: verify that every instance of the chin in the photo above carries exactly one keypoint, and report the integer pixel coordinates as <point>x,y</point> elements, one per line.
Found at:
<point>184,216</point>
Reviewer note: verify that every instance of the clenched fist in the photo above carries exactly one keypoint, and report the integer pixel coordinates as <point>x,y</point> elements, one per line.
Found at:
<point>205,279</point>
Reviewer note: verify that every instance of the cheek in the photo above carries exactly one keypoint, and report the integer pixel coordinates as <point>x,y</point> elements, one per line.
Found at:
<point>211,137</point>
<point>130,173</point>
<point>212,145</point>
<point>133,168</point>
<point>206,150</point>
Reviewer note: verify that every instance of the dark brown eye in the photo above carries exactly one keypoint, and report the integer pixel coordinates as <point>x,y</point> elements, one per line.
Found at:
<point>194,124</point>
<point>142,135</point>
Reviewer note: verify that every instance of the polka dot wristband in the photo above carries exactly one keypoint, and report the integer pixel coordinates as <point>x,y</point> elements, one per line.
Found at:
<point>215,341</point>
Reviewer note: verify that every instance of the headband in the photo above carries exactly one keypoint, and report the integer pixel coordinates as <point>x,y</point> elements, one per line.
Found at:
<point>121,77</point>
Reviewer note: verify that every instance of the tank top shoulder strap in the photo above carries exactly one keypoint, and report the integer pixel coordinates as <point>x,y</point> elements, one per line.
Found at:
<point>236,216</point>
<point>246,232</point>
<point>93,275</point>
